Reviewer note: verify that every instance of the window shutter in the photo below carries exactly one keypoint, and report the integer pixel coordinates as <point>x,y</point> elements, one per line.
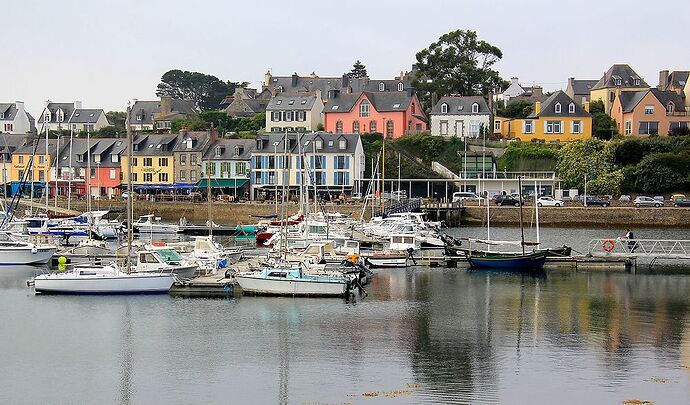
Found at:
<point>323,162</point>
<point>347,162</point>
<point>562,127</point>
<point>347,176</point>
<point>335,162</point>
<point>545,126</point>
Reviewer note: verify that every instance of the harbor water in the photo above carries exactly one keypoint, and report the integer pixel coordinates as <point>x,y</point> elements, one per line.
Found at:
<point>420,336</point>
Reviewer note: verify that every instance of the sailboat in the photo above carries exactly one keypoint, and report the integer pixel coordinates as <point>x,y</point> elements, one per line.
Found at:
<point>109,279</point>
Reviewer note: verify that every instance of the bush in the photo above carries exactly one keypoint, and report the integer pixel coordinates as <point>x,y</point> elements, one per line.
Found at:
<point>663,172</point>
<point>529,156</point>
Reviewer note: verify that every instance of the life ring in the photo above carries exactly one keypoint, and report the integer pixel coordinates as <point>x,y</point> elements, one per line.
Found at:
<point>608,245</point>
<point>158,243</point>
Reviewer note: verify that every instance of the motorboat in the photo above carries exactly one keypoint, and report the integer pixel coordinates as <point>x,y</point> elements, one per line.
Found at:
<point>151,224</point>
<point>164,261</point>
<point>103,280</point>
<point>387,259</point>
<point>207,253</point>
<point>293,281</point>
<point>14,251</point>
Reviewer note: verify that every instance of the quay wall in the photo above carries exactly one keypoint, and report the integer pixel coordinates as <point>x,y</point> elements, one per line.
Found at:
<point>580,217</point>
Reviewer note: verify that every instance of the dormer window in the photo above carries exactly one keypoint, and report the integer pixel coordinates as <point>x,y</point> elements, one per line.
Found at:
<point>444,108</point>
<point>382,86</point>
<point>364,108</point>
<point>238,150</point>
<point>279,102</point>
<point>219,151</point>
<point>571,108</point>
<point>140,117</point>
<point>401,86</point>
<point>618,82</point>
<point>637,82</point>
<point>670,108</point>
<point>557,108</point>
<point>291,102</point>
<point>319,144</point>
<point>475,108</point>
<point>47,117</point>
<point>342,144</point>
<point>136,146</point>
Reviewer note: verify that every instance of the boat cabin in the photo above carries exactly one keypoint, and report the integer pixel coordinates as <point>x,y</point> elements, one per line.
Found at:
<point>402,242</point>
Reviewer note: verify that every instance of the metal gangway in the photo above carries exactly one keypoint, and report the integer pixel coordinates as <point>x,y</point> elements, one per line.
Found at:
<point>640,248</point>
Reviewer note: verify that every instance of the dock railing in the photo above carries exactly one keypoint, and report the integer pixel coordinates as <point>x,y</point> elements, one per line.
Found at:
<point>652,248</point>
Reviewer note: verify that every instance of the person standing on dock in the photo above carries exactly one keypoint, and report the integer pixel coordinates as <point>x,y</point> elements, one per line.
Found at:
<point>632,245</point>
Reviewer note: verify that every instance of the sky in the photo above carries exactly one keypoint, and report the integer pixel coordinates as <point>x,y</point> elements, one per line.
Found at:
<point>106,52</point>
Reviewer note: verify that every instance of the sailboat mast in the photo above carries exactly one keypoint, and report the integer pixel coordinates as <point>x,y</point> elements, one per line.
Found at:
<point>57,167</point>
<point>383,177</point>
<point>45,170</point>
<point>536,208</point>
<point>522,228</point>
<point>129,190</point>
<point>69,179</point>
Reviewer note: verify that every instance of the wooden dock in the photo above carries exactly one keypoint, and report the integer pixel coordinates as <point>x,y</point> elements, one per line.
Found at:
<point>207,286</point>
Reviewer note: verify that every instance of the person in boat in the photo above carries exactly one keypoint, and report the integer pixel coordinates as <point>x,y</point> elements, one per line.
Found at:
<point>630,236</point>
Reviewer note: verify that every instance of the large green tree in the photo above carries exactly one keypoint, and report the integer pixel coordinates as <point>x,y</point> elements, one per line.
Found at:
<point>116,118</point>
<point>593,157</point>
<point>458,63</point>
<point>516,109</point>
<point>358,70</point>
<point>206,91</point>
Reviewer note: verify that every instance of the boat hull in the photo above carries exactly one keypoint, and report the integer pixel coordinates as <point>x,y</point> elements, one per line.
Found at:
<point>514,262</point>
<point>383,261</point>
<point>103,284</point>
<point>23,255</point>
<point>289,287</point>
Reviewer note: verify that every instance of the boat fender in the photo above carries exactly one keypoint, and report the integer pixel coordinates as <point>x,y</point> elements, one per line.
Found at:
<point>608,245</point>
<point>34,250</point>
<point>159,243</point>
<point>61,263</point>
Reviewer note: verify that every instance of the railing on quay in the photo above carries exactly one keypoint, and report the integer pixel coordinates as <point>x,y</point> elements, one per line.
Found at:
<point>651,248</point>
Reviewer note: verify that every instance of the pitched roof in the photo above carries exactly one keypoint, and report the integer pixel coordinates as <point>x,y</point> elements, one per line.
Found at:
<point>678,78</point>
<point>583,86</point>
<point>202,139</point>
<point>330,142</point>
<point>154,144</point>
<point>67,109</point>
<point>98,146</point>
<point>86,116</point>
<point>666,97</point>
<point>9,142</point>
<point>548,108</point>
<point>461,105</point>
<point>387,101</point>
<point>148,109</point>
<point>291,102</point>
<point>28,149</point>
<point>622,72</point>
<point>630,99</point>
<point>343,83</point>
<point>247,146</point>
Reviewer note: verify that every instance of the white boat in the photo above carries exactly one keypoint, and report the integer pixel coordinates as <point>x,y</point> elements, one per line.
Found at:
<point>16,252</point>
<point>151,224</point>
<point>102,280</point>
<point>164,261</point>
<point>292,281</point>
<point>203,250</point>
<point>387,259</point>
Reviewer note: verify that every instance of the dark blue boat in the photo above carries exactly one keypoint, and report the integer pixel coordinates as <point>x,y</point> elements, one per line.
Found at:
<point>530,261</point>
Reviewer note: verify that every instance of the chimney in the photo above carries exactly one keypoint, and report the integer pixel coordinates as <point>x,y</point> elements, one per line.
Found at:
<point>586,106</point>
<point>166,105</point>
<point>346,80</point>
<point>514,80</point>
<point>537,107</point>
<point>77,105</point>
<point>571,82</point>
<point>294,79</point>
<point>663,80</point>
<point>537,91</point>
<point>267,78</point>
<point>20,106</point>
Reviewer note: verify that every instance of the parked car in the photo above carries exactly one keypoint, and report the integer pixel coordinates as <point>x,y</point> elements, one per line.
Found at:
<point>644,201</point>
<point>507,200</point>
<point>624,198</point>
<point>549,202</point>
<point>464,196</point>
<point>595,201</point>
<point>681,202</point>
<point>675,197</point>
<point>659,198</point>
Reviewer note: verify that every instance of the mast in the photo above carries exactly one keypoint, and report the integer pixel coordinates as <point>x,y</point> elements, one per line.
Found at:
<point>209,197</point>
<point>45,170</point>
<point>88,170</point>
<point>536,208</point>
<point>129,190</point>
<point>383,177</point>
<point>69,179</point>
<point>522,228</point>
<point>283,239</point>
<point>57,167</point>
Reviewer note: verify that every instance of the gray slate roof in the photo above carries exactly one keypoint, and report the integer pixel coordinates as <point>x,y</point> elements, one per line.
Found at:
<point>86,116</point>
<point>583,87</point>
<point>153,144</point>
<point>307,141</point>
<point>324,84</point>
<point>148,109</point>
<point>548,107</point>
<point>623,72</point>
<point>387,101</point>
<point>9,143</point>
<point>291,102</point>
<point>228,149</point>
<point>202,140</point>
<point>99,146</point>
<point>630,99</point>
<point>678,78</point>
<point>28,149</point>
<point>461,105</point>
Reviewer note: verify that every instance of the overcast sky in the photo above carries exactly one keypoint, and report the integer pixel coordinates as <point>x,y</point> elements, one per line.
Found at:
<point>104,52</point>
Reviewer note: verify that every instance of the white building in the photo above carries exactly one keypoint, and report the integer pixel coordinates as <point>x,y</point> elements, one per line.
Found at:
<point>294,113</point>
<point>15,120</point>
<point>71,116</point>
<point>460,116</point>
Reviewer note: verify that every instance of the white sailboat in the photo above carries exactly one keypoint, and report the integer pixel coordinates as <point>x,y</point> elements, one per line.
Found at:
<point>17,252</point>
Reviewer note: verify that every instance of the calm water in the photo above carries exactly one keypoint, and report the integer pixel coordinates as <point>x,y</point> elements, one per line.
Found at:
<point>421,336</point>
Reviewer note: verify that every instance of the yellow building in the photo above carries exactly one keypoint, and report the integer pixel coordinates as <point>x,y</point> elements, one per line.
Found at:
<point>41,167</point>
<point>152,160</point>
<point>619,76</point>
<point>558,119</point>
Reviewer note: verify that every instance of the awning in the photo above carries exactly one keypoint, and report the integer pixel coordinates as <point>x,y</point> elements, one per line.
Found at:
<point>184,185</point>
<point>222,183</point>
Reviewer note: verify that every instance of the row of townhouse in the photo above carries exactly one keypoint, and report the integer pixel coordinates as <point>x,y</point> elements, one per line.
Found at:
<point>179,163</point>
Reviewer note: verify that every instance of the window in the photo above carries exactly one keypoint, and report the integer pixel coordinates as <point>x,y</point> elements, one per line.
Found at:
<point>444,108</point>
<point>340,162</point>
<point>342,144</point>
<point>497,125</point>
<point>183,175</point>
<point>618,82</point>
<point>364,109</point>
<point>183,160</point>
<point>571,108</point>
<point>355,127</point>
<point>475,108</point>
<point>319,143</point>
<point>219,151</point>
<point>21,161</point>
<point>670,108</point>
<point>528,127</point>
<point>612,97</point>
<point>163,177</point>
<point>676,125</point>
<point>474,129</point>
<point>148,162</point>
<point>225,169</point>
<point>238,150</point>
<point>584,100</point>
<point>288,116</point>
<point>80,158</point>
<point>275,116</point>
<point>557,108</point>
<point>41,159</point>
<point>140,117</point>
<point>401,86</point>
<point>192,160</point>
<point>41,175</point>
<point>372,126</point>
<point>97,158</point>
<point>302,116</point>
<point>637,82</point>
<point>339,127</point>
<point>148,177</point>
<point>341,178</point>
<point>649,109</point>
<point>382,87</point>
<point>241,168</point>
<point>553,127</point>
<point>192,175</point>
<point>9,127</point>
<point>649,128</point>
<point>134,161</point>
<point>576,127</point>
<point>113,174</point>
<point>628,127</point>
<point>163,162</point>
<point>389,128</point>
<point>444,128</point>
<point>114,157</point>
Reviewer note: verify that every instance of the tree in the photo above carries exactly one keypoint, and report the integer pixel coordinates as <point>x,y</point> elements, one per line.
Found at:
<point>594,157</point>
<point>458,63</point>
<point>206,91</point>
<point>679,131</point>
<point>358,71</point>
<point>516,109</point>
<point>603,126</point>
<point>116,118</point>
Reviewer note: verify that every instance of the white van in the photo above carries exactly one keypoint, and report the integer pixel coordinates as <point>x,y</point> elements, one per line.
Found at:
<point>464,196</point>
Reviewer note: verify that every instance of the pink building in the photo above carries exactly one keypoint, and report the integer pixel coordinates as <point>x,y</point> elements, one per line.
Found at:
<point>393,113</point>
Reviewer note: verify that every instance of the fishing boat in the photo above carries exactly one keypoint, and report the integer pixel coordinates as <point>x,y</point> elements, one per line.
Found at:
<point>14,251</point>
<point>102,280</point>
<point>507,260</point>
<point>292,281</point>
<point>151,224</point>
